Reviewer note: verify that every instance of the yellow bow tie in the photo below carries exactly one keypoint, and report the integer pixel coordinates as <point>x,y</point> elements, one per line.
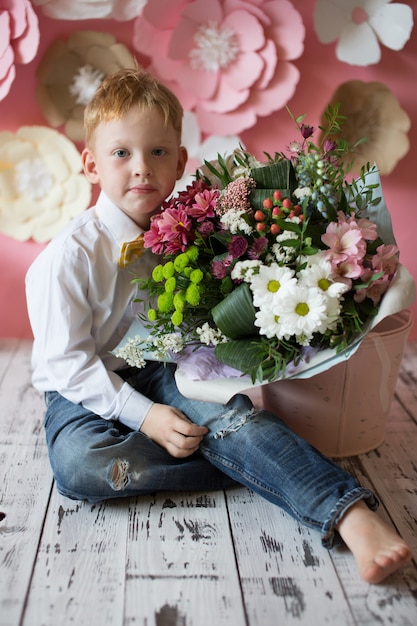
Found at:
<point>130,251</point>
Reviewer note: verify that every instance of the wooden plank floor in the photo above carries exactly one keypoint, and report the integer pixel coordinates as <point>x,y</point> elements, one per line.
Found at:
<point>187,559</point>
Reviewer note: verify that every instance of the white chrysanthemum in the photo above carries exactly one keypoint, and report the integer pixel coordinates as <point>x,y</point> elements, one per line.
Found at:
<point>268,322</point>
<point>360,25</point>
<point>233,220</point>
<point>245,270</point>
<point>303,311</point>
<point>318,273</point>
<point>269,281</point>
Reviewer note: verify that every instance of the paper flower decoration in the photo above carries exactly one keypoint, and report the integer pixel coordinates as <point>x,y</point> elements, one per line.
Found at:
<point>41,184</point>
<point>230,62</point>
<point>373,112</point>
<point>361,25</point>
<point>19,39</point>
<point>120,10</point>
<point>70,72</point>
<point>200,150</point>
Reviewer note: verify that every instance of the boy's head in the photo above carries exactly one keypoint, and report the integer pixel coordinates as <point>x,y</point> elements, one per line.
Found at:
<point>129,88</point>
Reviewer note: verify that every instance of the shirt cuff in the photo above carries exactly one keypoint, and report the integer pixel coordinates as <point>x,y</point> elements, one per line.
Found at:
<point>135,409</point>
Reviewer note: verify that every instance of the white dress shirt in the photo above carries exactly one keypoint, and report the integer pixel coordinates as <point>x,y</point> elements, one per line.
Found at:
<point>80,306</point>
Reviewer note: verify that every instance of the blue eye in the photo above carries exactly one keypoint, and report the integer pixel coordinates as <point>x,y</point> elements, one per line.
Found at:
<point>158,152</point>
<point>120,153</point>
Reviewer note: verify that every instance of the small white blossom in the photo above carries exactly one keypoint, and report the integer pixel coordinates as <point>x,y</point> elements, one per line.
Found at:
<point>234,221</point>
<point>210,336</point>
<point>132,352</point>
<point>302,192</point>
<point>164,344</point>
<point>245,270</point>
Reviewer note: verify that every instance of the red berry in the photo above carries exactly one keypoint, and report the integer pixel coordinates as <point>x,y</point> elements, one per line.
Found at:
<point>276,212</point>
<point>286,203</point>
<point>260,227</point>
<point>259,216</point>
<point>275,229</point>
<point>277,195</point>
<point>268,204</point>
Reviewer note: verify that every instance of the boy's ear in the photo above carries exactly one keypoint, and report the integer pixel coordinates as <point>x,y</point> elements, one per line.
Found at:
<point>182,161</point>
<point>89,165</point>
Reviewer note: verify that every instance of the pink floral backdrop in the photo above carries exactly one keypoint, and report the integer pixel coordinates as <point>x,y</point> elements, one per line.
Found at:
<point>311,61</point>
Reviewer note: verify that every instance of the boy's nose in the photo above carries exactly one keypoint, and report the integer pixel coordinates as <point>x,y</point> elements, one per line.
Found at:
<point>141,167</point>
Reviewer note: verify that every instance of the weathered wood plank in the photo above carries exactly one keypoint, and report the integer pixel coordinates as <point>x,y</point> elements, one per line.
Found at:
<point>287,576</point>
<point>181,564</point>
<point>25,488</point>
<point>21,406</point>
<point>394,601</point>
<point>25,478</point>
<point>79,576</point>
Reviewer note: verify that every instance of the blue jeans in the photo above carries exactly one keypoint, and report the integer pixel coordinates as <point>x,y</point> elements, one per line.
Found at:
<point>96,459</point>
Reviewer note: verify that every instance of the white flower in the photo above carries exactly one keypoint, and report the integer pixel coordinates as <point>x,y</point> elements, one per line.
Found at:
<point>132,352</point>
<point>302,192</point>
<point>302,311</point>
<point>269,281</point>
<point>121,10</point>
<point>318,273</point>
<point>41,183</point>
<point>210,336</point>
<point>234,221</point>
<point>162,345</point>
<point>268,323</point>
<point>200,151</point>
<point>360,25</point>
<point>285,253</point>
<point>245,270</point>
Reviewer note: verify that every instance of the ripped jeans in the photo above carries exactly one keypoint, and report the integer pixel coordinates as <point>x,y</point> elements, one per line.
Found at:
<point>95,459</point>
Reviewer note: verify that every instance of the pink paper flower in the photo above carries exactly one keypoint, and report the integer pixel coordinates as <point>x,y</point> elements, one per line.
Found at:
<point>19,39</point>
<point>231,59</point>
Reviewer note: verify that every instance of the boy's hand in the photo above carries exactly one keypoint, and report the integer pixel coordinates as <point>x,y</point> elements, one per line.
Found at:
<point>169,428</point>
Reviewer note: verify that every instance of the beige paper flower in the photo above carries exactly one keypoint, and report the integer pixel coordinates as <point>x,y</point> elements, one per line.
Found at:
<point>41,184</point>
<point>70,72</point>
<point>374,112</point>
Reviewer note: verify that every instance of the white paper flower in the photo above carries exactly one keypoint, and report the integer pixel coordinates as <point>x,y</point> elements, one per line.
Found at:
<point>41,184</point>
<point>121,10</point>
<point>200,150</point>
<point>361,25</point>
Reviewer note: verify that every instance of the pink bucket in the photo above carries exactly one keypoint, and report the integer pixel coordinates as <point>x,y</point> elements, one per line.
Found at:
<point>343,411</point>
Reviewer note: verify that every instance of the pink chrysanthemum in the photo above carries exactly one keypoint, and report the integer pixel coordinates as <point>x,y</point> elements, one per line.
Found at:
<point>204,204</point>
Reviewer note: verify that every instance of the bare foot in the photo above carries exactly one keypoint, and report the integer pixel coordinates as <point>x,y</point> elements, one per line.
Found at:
<point>377,548</point>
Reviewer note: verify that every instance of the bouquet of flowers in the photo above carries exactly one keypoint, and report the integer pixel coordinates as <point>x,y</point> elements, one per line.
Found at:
<point>268,262</point>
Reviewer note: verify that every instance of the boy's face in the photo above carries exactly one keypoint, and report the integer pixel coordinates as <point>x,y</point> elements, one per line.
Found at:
<point>136,160</point>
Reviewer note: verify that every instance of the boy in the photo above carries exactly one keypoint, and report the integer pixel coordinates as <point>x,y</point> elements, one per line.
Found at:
<point>118,431</point>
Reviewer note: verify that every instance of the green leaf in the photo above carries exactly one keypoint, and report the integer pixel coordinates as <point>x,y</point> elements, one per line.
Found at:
<point>279,175</point>
<point>235,315</point>
<point>242,354</point>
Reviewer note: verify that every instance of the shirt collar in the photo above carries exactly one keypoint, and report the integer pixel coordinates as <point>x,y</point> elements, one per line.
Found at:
<point>120,225</point>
